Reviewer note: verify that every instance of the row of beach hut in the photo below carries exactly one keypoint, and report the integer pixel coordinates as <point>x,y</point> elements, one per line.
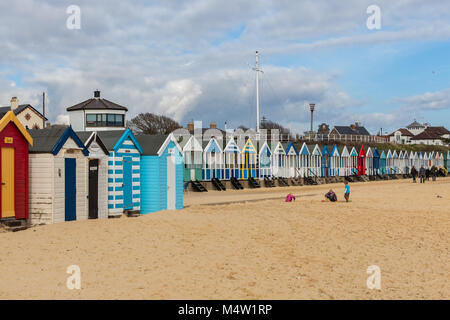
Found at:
<point>56,174</point>
<point>215,158</point>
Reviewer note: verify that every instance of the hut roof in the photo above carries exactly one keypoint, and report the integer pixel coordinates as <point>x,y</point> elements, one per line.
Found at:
<point>151,143</point>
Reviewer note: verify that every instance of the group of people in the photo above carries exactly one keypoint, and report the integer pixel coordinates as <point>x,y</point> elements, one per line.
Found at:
<point>331,195</point>
<point>424,174</point>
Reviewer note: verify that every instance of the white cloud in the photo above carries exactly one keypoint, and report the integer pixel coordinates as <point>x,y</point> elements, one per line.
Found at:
<point>62,119</point>
<point>438,100</point>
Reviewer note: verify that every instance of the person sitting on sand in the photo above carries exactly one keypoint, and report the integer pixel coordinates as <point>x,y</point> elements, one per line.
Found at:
<point>347,191</point>
<point>330,195</point>
<point>290,197</point>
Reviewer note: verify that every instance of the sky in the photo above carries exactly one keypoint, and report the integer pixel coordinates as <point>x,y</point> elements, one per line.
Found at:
<point>192,60</point>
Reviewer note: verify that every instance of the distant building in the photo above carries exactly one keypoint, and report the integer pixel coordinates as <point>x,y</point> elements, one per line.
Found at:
<point>401,136</point>
<point>431,136</point>
<point>415,128</point>
<point>28,116</point>
<point>97,114</point>
<point>352,130</point>
<point>323,129</point>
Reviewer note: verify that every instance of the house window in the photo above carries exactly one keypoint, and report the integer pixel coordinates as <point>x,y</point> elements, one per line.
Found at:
<point>104,120</point>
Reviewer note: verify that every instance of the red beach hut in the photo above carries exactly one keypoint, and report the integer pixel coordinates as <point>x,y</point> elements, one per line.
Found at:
<point>14,144</point>
<point>362,161</point>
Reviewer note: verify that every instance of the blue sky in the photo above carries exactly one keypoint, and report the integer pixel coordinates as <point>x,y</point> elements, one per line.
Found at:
<point>192,61</point>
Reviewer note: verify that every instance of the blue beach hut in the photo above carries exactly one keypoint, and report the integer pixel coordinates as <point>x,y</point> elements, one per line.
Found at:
<point>325,163</point>
<point>124,182</point>
<point>162,169</point>
<point>376,161</point>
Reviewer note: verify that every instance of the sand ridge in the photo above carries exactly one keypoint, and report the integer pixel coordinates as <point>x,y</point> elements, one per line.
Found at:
<point>265,249</point>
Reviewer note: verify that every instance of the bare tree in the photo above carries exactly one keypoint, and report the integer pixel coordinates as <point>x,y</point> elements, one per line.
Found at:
<point>270,125</point>
<point>151,123</point>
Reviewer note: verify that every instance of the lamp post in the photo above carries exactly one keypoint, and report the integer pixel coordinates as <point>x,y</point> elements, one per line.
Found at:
<point>311,107</point>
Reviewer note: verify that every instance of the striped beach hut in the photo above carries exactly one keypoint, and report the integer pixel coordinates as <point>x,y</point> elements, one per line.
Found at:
<point>124,175</point>
<point>369,162</point>
<point>248,161</point>
<point>315,160</point>
<point>161,173</point>
<point>193,158</point>
<point>389,163</point>
<point>447,160</point>
<point>353,162</point>
<point>291,160</point>
<point>325,162</point>
<point>278,160</point>
<point>14,162</point>
<point>265,161</point>
<point>58,176</point>
<point>231,160</point>
<point>97,172</point>
<point>212,159</point>
<point>376,161</point>
<point>303,160</point>
<point>335,161</point>
<point>362,161</point>
<point>395,162</point>
<point>383,169</point>
<point>345,166</point>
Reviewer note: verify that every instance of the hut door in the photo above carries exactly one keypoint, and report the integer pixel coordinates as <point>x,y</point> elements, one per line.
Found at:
<point>93,189</point>
<point>127,183</point>
<point>70,187</point>
<point>7,183</point>
<point>171,187</point>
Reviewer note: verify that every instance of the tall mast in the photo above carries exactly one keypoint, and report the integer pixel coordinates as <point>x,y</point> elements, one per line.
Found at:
<point>256,68</point>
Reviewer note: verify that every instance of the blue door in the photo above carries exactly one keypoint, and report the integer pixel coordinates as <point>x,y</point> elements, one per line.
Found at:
<point>127,183</point>
<point>70,188</point>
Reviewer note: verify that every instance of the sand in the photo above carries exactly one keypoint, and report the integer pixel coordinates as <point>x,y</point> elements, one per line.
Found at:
<point>261,249</point>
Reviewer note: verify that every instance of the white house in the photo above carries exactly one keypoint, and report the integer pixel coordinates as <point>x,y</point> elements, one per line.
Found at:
<point>415,128</point>
<point>97,114</point>
<point>401,136</point>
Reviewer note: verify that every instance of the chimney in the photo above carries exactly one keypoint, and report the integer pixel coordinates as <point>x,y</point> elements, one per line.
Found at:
<point>96,94</point>
<point>190,126</point>
<point>14,103</point>
<point>213,125</point>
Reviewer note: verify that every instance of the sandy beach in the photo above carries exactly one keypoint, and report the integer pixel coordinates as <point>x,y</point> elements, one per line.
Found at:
<point>247,244</point>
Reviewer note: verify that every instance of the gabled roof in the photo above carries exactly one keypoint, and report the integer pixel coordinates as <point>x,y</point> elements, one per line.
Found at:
<point>277,148</point>
<point>348,130</point>
<point>114,138</point>
<point>304,150</point>
<point>353,152</point>
<point>335,151</point>
<point>19,109</point>
<point>404,132</point>
<point>51,140</point>
<point>290,147</point>
<point>212,141</point>
<point>415,124</point>
<point>314,150</point>
<point>265,147</point>
<point>362,152</point>
<point>383,155</point>
<point>249,147</point>
<point>155,144</point>
<point>344,152</point>
<point>11,117</point>
<point>431,133</point>
<point>191,144</point>
<point>376,153</point>
<point>97,104</point>
<point>369,153</point>
<point>87,137</point>
<point>325,151</point>
<point>232,147</point>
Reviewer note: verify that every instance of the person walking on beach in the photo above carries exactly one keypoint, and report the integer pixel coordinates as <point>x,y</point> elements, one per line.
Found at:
<point>347,191</point>
<point>414,173</point>
<point>433,173</point>
<point>422,174</point>
<point>427,174</point>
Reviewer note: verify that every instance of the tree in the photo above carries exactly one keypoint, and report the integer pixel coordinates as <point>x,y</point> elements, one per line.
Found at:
<point>150,123</point>
<point>270,125</point>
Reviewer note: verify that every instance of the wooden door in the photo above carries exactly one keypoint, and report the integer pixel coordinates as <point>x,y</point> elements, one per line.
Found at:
<point>8,206</point>
<point>171,185</point>
<point>70,186</point>
<point>127,183</point>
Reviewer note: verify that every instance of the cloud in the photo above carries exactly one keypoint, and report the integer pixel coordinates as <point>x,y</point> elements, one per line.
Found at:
<point>62,119</point>
<point>438,100</point>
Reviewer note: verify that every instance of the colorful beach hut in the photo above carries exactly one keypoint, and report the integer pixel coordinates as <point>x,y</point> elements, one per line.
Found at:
<point>389,162</point>
<point>161,173</point>
<point>383,169</point>
<point>193,158</point>
<point>212,159</point>
<point>361,161</point>
<point>447,160</point>
<point>278,160</point>
<point>335,161</point>
<point>291,160</point>
<point>303,160</point>
<point>369,162</point>
<point>395,162</point>
<point>249,161</point>
<point>97,174</point>
<point>124,171</point>
<point>231,159</point>
<point>376,161</point>
<point>315,161</point>
<point>265,161</point>
<point>325,162</point>
<point>58,176</point>
<point>353,161</point>
<point>345,166</point>
<point>14,161</point>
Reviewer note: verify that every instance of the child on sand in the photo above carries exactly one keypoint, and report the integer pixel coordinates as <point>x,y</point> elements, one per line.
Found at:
<point>347,191</point>
<point>290,197</point>
<point>331,196</point>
